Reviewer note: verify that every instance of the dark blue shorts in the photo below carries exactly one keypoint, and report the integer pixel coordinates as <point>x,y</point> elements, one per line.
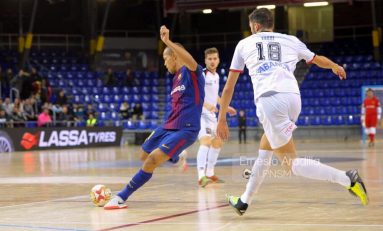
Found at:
<point>171,142</point>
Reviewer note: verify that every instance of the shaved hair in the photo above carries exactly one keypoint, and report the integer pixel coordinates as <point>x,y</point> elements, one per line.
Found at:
<point>169,51</point>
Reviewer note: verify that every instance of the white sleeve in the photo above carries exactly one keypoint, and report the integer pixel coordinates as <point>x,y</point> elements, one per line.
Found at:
<point>237,63</point>
<point>304,52</point>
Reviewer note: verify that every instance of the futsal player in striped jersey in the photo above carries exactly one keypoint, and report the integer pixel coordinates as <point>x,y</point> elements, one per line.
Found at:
<point>182,123</point>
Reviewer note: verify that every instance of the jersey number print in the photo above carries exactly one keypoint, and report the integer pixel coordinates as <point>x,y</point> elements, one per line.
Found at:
<point>274,51</point>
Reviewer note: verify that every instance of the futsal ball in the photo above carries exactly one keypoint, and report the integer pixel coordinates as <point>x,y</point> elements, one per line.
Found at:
<point>100,195</point>
<point>246,173</point>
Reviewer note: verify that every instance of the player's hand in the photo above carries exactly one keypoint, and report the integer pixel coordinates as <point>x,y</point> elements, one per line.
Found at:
<point>223,130</point>
<point>164,33</point>
<point>339,71</point>
<point>231,111</point>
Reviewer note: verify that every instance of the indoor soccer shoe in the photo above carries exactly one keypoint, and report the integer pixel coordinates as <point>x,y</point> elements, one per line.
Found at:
<point>215,179</point>
<point>357,187</point>
<point>237,204</point>
<point>115,203</point>
<point>204,181</point>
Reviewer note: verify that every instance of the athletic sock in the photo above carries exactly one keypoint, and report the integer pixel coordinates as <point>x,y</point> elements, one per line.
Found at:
<point>258,173</point>
<point>201,160</point>
<point>135,183</point>
<point>313,169</point>
<point>212,160</point>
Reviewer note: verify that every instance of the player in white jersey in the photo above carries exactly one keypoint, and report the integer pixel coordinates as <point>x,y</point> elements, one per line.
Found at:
<point>271,59</point>
<point>210,144</point>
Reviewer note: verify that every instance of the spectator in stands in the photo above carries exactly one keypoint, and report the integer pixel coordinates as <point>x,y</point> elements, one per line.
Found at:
<point>128,78</point>
<point>27,86</point>
<point>109,78</point>
<point>3,118</point>
<point>8,106</point>
<point>29,111</point>
<point>78,113</point>
<point>138,113</point>
<point>90,110</point>
<point>19,105</point>
<point>125,112</point>
<point>36,80</point>
<point>242,126</point>
<point>46,91</point>
<point>65,117</point>
<point>61,98</point>
<point>92,121</point>
<point>17,117</point>
<point>1,104</point>
<point>44,119</point>
<point>17,81</point>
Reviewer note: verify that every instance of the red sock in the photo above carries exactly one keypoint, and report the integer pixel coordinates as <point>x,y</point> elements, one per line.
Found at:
<point>371,137</point>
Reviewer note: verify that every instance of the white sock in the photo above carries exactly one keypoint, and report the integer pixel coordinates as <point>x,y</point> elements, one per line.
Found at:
<point>315,170</point>
<point>212,160</point>
<point>258,173</point>
<point>201,160</point>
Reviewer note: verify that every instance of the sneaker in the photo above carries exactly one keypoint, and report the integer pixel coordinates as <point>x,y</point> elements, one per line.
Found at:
<point>215,179</point>
<point>115,203</point>
<point>246,173</point>
<point>204,181</point>
<point>237,204</point>
<point>357,187</point>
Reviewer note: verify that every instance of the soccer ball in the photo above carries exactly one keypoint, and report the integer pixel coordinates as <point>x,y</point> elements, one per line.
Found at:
<point>100,195</point>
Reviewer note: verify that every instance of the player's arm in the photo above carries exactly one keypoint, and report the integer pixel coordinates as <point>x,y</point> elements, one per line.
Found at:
<point>230,110</point>
<point>363,115</point>
<point>326,63</point>
<point>210,107</point>
<point>181,53</point>
<point>379,110</point>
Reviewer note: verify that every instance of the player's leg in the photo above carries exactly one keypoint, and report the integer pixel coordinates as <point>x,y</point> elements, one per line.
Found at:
<point>215,148</point>
<point>202,155</point>
<point>153,160</point>
<point>372,136</point>
<point>258,173</point>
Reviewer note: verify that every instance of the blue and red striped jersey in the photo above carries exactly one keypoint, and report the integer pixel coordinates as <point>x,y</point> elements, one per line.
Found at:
<point>187,98</point>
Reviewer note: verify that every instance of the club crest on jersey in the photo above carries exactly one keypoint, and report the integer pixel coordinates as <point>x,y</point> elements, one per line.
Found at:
<point>177,89</point>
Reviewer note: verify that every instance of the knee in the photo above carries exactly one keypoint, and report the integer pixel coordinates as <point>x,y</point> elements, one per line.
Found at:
<point>143,156</point>
<point>150,163</point>
<point>216,143</point>
<point>206,141</point>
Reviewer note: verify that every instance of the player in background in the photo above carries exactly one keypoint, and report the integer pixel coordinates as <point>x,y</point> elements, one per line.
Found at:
<point>271,59</point>
<point>210,144</point>
<point>371,115</point>
<point>182,123</point>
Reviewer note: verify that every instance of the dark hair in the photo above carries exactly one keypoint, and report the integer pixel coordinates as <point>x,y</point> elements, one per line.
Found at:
<point>262,16</point>
<point>211,50</point>
<point>370,90</point>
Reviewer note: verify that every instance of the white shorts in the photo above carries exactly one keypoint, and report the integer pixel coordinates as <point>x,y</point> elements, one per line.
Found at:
<point>208,125</point>
<point>278,114</point>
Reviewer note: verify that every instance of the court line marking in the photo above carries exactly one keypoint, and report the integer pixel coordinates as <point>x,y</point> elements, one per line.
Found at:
<point>163,218</point>
<point>41,227</point>
<point>71,198</point>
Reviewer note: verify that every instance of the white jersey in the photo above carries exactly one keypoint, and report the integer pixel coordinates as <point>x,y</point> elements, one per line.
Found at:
<point>271,59</point>
<point>211,90</point>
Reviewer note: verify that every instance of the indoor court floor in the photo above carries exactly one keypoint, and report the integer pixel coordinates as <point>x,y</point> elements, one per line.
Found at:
<point>49,190</point>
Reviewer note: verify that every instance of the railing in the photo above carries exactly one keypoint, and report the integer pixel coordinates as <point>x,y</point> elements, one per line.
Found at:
<point>130,33</point>
<point>40,41</point>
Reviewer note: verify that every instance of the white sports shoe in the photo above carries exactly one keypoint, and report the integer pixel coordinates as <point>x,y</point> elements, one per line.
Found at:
<point>115,203</point>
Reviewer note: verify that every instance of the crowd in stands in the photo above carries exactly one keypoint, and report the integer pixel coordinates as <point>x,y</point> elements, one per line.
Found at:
<point>30,101</point>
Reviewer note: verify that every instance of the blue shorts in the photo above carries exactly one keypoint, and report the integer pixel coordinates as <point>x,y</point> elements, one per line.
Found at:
<point>171,142</point>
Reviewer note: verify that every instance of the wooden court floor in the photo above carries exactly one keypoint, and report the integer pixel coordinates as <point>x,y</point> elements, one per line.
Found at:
<point>48,190</point>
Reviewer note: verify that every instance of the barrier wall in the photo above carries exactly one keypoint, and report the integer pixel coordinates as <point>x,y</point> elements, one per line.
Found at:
<point>22,139</point>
